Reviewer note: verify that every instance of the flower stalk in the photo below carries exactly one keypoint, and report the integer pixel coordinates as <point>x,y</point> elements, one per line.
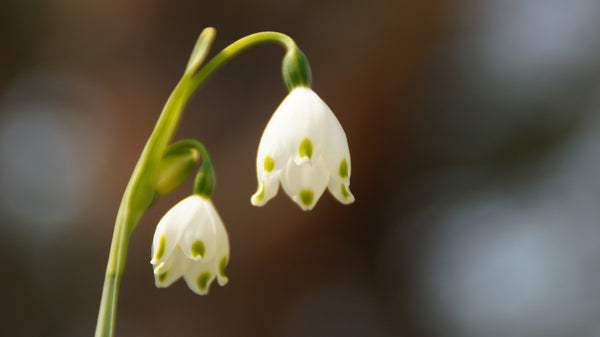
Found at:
<point>140,190</point>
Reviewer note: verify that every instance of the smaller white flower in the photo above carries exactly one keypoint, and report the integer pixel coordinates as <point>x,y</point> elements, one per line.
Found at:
<point>305,148</point>
<point>191,240</point>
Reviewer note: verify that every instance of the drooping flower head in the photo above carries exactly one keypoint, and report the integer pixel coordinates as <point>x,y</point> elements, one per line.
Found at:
<point>305,148</point>
<point>191,241</point>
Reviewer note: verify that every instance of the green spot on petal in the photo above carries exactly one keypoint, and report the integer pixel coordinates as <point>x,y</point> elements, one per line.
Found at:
<point>203,280</point>
<point>306,148</point>
<point>307,196</point>
<point>162,277</point>
<point>222,266</point>
<point>344,169</point>
<point>345,192</point>
<point>198,248</point>
<point>161,248</point>
<point>269,164</point>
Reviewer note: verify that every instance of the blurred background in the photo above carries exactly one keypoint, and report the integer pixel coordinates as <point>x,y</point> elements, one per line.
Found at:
<point>474,132</point>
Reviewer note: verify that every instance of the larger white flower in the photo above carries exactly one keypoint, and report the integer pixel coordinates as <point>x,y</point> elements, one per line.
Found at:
<point>305,148</point>
<point>191,240</point>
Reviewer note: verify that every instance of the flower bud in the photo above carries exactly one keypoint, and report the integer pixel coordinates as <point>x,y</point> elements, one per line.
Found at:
<point>174,168</point>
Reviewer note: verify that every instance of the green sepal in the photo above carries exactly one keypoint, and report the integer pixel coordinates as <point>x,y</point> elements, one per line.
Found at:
<point>175,167</point>
<point>295,69</point>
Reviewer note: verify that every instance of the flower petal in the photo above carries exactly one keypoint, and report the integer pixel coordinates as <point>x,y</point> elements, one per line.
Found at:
<point>199,276</point>
<point>297,119</point>
<point>221,246</point>
<point>341,191</point>
<point>336,150</point>
<point>198,240</point>
<point>305,121</point>
<point>306,182</point>
<point>275,142</point>
<point>170,270</point>
<point>171,227</point>
<point>267,189</point>
<point>271,151</point>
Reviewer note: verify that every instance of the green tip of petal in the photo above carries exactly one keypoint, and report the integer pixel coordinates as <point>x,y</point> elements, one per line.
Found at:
<point>162,277</point>
<point>198,248</point>
<point>260,194</point>
<point>345,193</point>
<point>307,196</point>
<point>306,148</point>
<point>344,169</point>
<point>203,281</point>
<point>161,248</point>
<point>222,266</point>
<point>269,164</point>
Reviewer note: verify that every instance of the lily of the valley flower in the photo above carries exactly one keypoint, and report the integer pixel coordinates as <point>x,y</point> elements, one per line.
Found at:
<point>191,240</point>
<point>305,148</point>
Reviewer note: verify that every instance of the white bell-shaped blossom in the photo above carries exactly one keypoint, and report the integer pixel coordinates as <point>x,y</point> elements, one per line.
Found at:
<point>191,240</point>
<point>305,148</point>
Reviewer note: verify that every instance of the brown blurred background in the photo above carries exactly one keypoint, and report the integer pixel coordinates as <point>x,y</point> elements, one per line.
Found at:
<point>474,129</point>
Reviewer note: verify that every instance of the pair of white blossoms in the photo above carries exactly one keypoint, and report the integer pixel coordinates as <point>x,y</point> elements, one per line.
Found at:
<point>303,146</point>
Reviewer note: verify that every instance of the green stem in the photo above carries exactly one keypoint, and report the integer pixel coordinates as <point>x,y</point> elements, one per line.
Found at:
<point>136,199</point>
<point>140,189</point>
<point>237,47</point>
<point>187,143</point>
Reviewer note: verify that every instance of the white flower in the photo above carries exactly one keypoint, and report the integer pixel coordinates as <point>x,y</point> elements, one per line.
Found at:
<point>190,240</point>
<point>305,148</point>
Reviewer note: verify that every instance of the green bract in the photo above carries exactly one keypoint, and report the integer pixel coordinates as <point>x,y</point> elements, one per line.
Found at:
<point>174,169</point>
